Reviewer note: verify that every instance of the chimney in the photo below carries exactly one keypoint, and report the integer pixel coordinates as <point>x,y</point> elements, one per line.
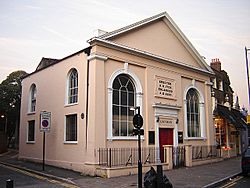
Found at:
<point>216,64</point>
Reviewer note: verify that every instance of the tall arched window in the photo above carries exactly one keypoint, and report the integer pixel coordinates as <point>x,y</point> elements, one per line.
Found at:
<point>73,87</point>
<point>32,107</point>
<point>193,113</point>
<point>123,99</point>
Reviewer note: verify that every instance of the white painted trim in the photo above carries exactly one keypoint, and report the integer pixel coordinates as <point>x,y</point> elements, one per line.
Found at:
<point>97,56</point>
<point>128,138</point>
<point>70,142</point>
<point>138,90</point>
<point>133,26</point>
<point>195,138</point>
<point>201,110</point>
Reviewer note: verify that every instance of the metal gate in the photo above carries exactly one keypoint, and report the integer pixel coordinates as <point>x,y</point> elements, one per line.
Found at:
<point>178,156</point>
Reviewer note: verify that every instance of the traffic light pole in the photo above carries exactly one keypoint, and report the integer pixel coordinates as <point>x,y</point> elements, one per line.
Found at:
<point>139,156</point>
<point>138,123</point>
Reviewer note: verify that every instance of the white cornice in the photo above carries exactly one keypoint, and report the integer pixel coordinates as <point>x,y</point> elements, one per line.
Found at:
<point>166,106</point>
<point>97,56</point>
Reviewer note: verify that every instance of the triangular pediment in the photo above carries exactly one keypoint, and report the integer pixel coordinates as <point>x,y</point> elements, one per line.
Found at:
<point>160,36</point>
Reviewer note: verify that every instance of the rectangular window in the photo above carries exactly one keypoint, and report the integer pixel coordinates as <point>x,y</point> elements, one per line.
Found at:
<point>31,131</point>
<point>71,128</point>
<point>151,137</point>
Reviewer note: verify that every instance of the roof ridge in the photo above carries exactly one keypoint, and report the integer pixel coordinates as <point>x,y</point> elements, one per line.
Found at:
<point>128,27</point>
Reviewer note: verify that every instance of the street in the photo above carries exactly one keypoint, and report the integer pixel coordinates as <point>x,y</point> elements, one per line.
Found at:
<point>26,179</point>
<point>238,182</point>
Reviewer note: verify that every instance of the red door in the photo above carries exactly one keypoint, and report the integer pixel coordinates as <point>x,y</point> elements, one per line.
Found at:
<point>165,138</point>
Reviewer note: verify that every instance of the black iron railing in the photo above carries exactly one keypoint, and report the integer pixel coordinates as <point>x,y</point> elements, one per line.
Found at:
<point>111,157</point>
<point>203,152</point>
<point>178,156</point>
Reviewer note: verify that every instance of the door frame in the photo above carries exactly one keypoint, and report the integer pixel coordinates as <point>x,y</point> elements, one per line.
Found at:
<point>162,110</point>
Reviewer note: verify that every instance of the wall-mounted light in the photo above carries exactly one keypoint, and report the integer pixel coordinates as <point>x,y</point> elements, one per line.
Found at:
<point>157,119</point>
<point>177,121</point>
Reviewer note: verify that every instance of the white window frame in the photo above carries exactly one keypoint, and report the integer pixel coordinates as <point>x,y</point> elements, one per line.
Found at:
<point>67,101</point>
<point>32,98</point>
<point>27,140</point>
<point>65,130</point>
<point>138,100</point>
<point>202,118</point>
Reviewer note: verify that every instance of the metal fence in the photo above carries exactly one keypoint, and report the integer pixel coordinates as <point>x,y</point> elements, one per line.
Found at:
<point>203,152</point>
<point>179,156</point>
<point>111,157</point>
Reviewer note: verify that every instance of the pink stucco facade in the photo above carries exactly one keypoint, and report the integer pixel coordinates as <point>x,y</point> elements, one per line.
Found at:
<point>151,52</point>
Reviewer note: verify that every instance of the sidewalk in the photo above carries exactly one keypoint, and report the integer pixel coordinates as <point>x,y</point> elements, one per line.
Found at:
<point>198,176</point>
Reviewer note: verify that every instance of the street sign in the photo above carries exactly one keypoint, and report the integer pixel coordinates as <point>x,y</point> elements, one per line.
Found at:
<point>138,131</point>
<point>45,121</point>
<point>137,121</point>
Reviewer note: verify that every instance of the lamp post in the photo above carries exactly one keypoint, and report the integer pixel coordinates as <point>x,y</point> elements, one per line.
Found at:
<point>248,81</point>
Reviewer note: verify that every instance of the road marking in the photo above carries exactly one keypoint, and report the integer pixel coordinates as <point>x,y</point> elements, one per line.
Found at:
<point>232,182</point>
<point>67,185</point>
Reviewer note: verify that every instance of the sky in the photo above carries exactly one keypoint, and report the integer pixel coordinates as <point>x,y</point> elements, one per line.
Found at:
<point>32,29</point>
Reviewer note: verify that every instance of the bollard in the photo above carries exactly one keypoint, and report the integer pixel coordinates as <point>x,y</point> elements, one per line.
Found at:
<point>159,176</point>
<point>9,183</point>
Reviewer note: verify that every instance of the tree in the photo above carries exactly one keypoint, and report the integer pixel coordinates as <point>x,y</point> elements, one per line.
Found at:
<point>10,100</point>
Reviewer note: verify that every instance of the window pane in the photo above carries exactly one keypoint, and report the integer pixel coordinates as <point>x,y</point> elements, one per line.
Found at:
<point>124,128</point>
<point>115,128</point>
<point>130,128</point>
<point>73,87</point>
<point>131,99</point>
<point>115,112</point>
<point>193,113</point>
<point>123,99</point>
<point>123,80</point>
<point>116,84</point>
<point>124,113</point>
<point>71,127</point>
<point>115,96</point>
<point>130,86</point>
<point>31,130</point>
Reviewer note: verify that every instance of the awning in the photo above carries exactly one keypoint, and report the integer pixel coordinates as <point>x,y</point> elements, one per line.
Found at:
<point>233,116</point>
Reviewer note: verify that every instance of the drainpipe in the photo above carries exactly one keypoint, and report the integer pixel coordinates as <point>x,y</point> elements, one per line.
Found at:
<point>87,99</point>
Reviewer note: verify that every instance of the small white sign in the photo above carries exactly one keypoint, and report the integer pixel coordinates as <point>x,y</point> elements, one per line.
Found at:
<point>45,122</point>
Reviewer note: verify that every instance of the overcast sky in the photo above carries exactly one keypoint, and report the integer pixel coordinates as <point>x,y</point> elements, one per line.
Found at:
<point>32,29</point>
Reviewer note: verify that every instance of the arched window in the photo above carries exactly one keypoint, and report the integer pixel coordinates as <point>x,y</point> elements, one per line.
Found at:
<point>193,113</point>
<point>73,87</point>
<point>123,99</point>
<point>32,98</point>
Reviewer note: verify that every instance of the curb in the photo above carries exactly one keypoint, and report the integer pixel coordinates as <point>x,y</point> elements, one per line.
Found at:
<point>221,181</point>
<point>39,173</point>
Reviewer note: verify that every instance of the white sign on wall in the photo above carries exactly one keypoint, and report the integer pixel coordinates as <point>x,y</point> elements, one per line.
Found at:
<point>164,87</point>
<point>45,121</point>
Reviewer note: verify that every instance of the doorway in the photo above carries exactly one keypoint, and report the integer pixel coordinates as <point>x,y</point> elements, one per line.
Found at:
<point>165,138</point>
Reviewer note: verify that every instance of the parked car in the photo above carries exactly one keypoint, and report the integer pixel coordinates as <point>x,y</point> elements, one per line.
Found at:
<point>245,162</point>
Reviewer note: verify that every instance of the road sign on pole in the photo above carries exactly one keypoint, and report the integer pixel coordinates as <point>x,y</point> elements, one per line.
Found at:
<point>45,121</point>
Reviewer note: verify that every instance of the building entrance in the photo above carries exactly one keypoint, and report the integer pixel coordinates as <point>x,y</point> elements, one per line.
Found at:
<point>165,138</point>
